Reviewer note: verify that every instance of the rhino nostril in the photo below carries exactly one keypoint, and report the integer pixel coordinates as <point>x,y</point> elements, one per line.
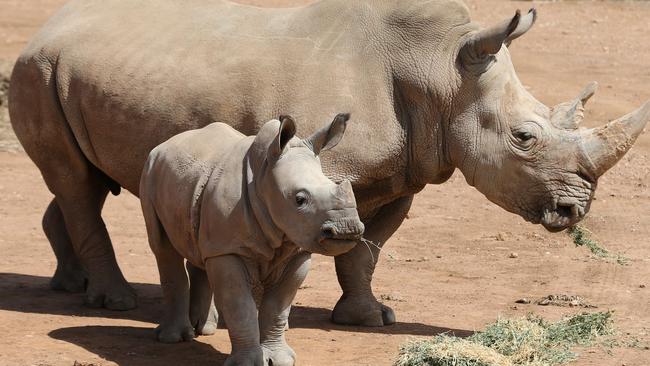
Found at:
<point>568,211</point>
<point>327,233</point>
<point>564,210</point>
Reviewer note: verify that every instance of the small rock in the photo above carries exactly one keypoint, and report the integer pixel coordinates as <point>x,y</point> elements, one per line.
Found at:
<point>513,255</point>
<point>523,301</point>
<point>438,256</point>
<point>641,286</point>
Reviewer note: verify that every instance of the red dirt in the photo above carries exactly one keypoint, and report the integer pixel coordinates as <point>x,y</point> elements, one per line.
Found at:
<point>447,268</point>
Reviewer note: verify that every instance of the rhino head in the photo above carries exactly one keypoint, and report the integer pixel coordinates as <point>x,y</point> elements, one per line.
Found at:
<point>294,198</point>
<point>530,159</point>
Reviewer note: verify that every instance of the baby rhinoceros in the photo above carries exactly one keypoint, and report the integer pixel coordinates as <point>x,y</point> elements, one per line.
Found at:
<point>249,211</point>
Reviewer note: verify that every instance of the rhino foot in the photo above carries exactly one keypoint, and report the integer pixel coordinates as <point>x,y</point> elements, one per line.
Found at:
<point>70,280</point>
<point>207,326</point>
<point>362,311</point>
<point>175,333</point>
<point>250,357</point>
<point>115,297</point>
<point>281,355</point>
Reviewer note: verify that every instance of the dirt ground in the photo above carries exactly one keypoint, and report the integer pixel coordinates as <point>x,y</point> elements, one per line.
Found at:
<point>448,268</point>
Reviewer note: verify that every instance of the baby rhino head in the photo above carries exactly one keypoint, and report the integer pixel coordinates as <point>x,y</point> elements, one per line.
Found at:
<point>308,208</point>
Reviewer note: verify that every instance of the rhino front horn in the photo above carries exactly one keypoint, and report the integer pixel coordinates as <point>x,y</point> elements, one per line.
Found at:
<point>604,146</point>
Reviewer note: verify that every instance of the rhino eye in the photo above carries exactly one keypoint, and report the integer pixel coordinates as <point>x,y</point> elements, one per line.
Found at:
<point>524,139</point>
<point>523,136</point>
<point>301,199</point>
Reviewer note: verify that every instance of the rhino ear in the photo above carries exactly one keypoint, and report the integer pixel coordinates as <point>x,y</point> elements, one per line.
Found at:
<point>330,135</point>
<point>485,43</point>
<point>286,132</point>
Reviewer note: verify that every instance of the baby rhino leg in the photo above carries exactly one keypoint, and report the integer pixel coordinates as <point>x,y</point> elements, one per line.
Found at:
<point>175,326</point>
<point>203,314</point>
<point>274,312</point>
<point>234,298</point>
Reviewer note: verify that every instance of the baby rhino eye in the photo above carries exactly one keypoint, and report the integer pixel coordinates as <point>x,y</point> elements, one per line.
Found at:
<point>301,199</point>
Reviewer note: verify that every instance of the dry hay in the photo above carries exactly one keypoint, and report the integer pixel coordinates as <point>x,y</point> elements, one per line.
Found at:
<point>529,341</point>
<point>583,237</point>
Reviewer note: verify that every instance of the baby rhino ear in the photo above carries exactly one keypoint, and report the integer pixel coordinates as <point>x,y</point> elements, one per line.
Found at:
<point>330,135</point>
<point>285,133</point>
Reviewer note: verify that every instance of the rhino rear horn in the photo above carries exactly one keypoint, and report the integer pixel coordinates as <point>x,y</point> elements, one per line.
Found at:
<point>489,41</point>
<point>569,115</point>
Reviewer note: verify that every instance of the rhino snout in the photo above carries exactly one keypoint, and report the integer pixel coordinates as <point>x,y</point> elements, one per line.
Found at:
<point>342,229</point>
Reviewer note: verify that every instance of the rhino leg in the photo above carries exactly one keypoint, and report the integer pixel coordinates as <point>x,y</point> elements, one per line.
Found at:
<point>69,275</point>
<point>82,212</point>
<point>79,188</point>
<point>234,298</point>
<point>358,305</point>
<point>274,312</point>
<point>203,314</point>
<point>175,326</point>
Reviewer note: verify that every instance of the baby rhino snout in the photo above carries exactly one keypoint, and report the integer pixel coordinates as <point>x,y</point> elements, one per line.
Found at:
<point>347,228</point>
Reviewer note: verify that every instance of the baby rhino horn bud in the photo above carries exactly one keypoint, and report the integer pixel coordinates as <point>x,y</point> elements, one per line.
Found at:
<point>344,193</point>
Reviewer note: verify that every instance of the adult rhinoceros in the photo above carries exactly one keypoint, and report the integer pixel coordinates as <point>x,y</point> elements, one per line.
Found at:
<point>106,81</point>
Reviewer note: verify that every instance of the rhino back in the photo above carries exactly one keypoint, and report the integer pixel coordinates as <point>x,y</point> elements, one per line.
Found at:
<point>132,74</point>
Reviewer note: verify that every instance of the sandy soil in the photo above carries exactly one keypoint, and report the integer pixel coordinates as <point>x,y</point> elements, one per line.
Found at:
<point>447,269</point>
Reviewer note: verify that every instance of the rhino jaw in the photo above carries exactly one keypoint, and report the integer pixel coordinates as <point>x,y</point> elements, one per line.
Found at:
<point>341,235</point>
<point>565,212</point>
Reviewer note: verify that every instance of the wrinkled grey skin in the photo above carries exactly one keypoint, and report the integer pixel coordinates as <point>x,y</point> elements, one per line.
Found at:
<point>106,81</point>
<point>249,210</point>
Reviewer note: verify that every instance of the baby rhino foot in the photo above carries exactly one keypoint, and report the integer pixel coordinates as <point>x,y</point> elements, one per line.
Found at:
<point>175,333</point>
<point>281,355</point>
<point>205,325</point>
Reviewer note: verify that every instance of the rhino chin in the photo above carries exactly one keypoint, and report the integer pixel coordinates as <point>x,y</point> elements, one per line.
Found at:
<point>334,247</point>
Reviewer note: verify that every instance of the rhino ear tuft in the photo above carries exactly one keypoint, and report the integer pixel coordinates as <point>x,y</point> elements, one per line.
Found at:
<point>487,42</point>
<point>525,23</point>
<point>329,136</point>
<point>286,132</point>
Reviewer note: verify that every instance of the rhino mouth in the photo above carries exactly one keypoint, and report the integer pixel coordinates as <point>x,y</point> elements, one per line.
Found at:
<point>562,215</point>
<point>341,235</point>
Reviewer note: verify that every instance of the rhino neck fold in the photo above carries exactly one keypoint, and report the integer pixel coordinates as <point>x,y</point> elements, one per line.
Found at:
<point>421,116</point>
<point>260,214</point>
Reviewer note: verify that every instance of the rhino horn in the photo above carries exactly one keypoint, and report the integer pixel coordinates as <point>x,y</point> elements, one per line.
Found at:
<point>569,115</point>
<point>490,40</point>
<point>606,145</point>
<point>345,193</point>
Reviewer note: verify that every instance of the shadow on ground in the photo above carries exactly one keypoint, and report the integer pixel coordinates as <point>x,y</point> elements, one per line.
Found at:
<point>319,318</point>
<point>31,294</point>
<point>136,346</point>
